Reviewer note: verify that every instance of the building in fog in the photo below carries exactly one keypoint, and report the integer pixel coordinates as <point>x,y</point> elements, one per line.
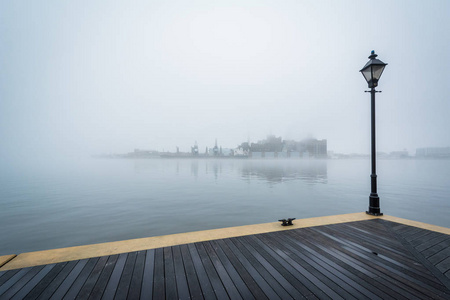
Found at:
<point>399,154</point>
<point>275,147</point>
<point>271,144</point>
<point>194,149</point>
<point>311,148</point>
<point>433,152</point>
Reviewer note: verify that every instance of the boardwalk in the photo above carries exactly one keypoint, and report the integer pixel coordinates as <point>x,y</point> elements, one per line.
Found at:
<point>374,259</point>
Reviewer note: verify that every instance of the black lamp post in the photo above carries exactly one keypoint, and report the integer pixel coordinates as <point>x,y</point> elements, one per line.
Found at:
<point>372,72</point>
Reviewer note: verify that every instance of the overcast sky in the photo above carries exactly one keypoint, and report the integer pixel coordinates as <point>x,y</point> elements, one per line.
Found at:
<point>90,77</point>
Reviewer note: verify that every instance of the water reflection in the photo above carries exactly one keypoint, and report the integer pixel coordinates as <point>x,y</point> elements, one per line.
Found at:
<point>270,171</point>
<point>194,168</point>
<point>214,167</point>
<point>311,172</point>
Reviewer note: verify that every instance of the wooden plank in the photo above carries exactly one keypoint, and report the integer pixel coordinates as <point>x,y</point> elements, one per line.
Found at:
<point>391,259</point>
<point>296,278</point>
<point>409,231</point>
<point>7,275</point>
<point>436,248</point>
<point>339,255</point>
<point>389,243</point>
<point>374,228</point>
<point>432,284</point>
<point>367,236</point>
<point>180,275</point>
<point>123,285</point>
<point>158,277</point>
<point>345,238</point>
<point>33,282</point>
<point>424,235</point>
<point>20,283</point>
<point>444,265</point>
<point>136,279</point>
<point>48,278</point>
<point>247,265</point>
<point>81,279</point>
<point>271,280</point>
<point>102,281</point>
<point>191,275</point>
<point>394,289</point>
<point>111,286</point>
<point>92,278</point>
<point>203,279</point>
<point>225,254</point>
<point>372,241</point>
<point>305,269</point>
<point>420,285</point>
<point>439,256</point>
<point>417,282</point>
<point>147,279</point>
<point>12,280</point>
<point>169,274</point>
<point>319,270</point>
<point>405,229</point>
<point>369,287</point>
<point>411,261</point>
<point>238,282</point>
<point>56,282</point>
<point>333,274</point>
<point>432,242</point>
<point>417,235</point>
<point>227,283</point>
<point>417,224</point>
<point>424,239</point>
<point>377,228</point>
<point>438,284</point>
<point>379,236</point>
<point>399,228</point>
<point>400,289</point>
<point>396,283</point>
<point>68,281</point>
<point>214,278</point>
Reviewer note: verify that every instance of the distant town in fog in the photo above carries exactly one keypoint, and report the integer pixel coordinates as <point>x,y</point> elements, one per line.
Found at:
<point>275,147</point>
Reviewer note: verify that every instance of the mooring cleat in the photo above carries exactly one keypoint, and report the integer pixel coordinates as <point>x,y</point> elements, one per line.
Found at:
<point>287,222</point>
<point>283,222</point>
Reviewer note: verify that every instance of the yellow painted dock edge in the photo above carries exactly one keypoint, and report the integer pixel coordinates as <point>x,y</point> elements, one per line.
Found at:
<point>88,251</point>
<point>5,259</point>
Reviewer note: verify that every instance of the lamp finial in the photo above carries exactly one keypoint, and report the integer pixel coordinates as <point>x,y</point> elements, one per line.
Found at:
<point>372,54</point>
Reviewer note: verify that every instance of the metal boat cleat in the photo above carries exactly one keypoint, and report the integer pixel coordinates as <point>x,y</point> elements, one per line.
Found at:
<point>287,222</point>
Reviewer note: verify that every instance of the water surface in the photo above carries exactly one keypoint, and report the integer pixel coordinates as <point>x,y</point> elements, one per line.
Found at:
<point>54,205</point>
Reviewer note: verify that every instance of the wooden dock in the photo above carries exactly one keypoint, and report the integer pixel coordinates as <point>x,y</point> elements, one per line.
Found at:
<point>369,259</point>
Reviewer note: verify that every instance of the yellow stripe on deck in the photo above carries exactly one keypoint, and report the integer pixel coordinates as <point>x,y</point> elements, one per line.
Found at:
<point>95,250</point>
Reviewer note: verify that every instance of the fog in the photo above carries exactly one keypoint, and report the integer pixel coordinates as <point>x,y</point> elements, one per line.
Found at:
<point>87,77</point>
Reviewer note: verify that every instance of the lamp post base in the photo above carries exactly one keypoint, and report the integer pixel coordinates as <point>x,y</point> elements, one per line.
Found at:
<point>374,213</point>
<point>374,206</point>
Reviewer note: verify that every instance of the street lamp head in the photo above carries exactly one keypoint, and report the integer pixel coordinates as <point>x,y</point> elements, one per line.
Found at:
<point>372,70</point>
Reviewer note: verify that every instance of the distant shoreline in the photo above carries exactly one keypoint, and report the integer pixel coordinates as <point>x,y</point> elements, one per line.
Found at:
<point>343,157</point>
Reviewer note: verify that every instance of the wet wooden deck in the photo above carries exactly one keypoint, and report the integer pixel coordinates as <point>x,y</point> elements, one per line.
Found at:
<point>374,259</point>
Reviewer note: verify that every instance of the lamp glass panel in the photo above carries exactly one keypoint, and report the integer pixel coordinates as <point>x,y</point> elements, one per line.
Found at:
<point>367,73</point>
<point>377,71</point>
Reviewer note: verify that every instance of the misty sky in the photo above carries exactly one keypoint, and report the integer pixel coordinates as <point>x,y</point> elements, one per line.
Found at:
<point>90,77</point>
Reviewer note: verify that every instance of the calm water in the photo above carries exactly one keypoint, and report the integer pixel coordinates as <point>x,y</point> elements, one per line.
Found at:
<point>92,201</point>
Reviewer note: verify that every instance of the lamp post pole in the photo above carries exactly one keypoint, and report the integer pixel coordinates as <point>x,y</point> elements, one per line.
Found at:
<point>372,72</point>
<point>374,200</point>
